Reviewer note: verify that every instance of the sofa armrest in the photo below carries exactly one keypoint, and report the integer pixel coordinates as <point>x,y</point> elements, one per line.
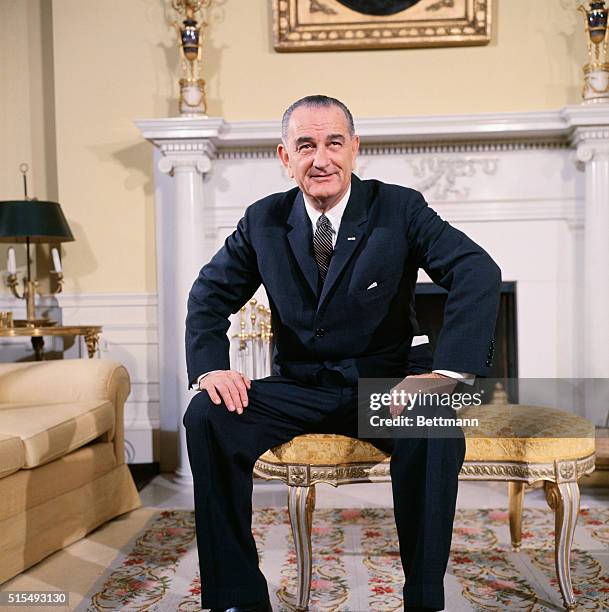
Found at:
<point>69,380</point>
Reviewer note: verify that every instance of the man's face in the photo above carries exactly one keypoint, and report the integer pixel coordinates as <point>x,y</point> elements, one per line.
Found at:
<point>320,153</point>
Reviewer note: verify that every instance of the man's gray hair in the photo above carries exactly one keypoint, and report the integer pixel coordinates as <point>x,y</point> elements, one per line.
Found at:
<point>318,101</point>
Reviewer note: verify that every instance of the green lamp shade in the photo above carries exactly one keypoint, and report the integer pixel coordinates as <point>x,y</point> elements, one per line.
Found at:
<point>34,219</point>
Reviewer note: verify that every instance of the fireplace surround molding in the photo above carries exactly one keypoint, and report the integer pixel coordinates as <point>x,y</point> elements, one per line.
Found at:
<point>532,188</point>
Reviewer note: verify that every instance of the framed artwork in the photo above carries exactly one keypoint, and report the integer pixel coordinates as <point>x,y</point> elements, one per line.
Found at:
<point>331,25</point>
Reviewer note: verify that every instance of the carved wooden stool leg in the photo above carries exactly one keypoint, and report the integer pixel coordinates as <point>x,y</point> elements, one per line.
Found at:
<point>301,503</point>
<point>563,498</point>
<point>515,497</point>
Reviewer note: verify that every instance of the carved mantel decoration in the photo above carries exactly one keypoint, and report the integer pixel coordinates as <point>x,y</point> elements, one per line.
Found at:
<point>323,25</point>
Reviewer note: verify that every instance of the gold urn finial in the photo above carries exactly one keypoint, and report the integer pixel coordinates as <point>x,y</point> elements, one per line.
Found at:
<point>596,71</point>
<point>190,36</point>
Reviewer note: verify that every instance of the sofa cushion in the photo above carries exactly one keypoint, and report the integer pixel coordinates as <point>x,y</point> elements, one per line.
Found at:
<point>12,454</point>
<point>52,430</point>
<point>29,488</point>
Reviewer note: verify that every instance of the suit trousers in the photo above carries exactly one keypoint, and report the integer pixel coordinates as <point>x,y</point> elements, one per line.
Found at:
<point>223,447</point>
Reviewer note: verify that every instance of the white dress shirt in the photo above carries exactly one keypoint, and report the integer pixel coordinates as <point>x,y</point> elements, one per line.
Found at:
<point>335,214</point>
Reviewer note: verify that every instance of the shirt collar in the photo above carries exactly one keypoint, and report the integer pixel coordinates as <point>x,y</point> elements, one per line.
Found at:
<point>335,214</point>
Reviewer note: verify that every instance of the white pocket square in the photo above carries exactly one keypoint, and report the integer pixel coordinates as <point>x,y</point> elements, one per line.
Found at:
<point>372,285</point>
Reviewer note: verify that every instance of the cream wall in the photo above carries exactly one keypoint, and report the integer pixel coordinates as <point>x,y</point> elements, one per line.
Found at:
<point>20,90</point>
<point>75,73</point>
<point>26,110</point>
<point>531,64</point>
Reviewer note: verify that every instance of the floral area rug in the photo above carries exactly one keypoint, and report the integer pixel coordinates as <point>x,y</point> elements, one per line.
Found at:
<point>356,564</point>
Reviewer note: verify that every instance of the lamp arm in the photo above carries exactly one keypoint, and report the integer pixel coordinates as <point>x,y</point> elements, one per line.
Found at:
<point>58,279</point>
<point>13,282</point>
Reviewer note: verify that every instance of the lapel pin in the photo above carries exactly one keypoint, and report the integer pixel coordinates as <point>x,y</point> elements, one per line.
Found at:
<point>350,237</point>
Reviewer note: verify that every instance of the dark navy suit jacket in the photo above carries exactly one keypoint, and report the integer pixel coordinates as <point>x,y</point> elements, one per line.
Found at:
<point>386,234</point>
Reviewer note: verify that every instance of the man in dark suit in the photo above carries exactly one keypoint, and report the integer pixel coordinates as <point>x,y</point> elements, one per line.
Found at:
<point>338,258</point>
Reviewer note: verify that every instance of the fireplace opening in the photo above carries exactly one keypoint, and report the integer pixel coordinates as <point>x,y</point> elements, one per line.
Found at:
<point>430,301</point>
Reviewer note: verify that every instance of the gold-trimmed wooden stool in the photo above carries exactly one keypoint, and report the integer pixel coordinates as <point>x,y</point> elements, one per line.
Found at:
<point>558,449</point>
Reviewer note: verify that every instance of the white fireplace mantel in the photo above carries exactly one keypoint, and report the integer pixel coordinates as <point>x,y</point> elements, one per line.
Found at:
<point>532,188</point>
<point>544,125</point>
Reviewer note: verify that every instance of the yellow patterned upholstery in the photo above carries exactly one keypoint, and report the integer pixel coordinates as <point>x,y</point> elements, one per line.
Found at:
<point>529,434</point>
<point>324,449</point>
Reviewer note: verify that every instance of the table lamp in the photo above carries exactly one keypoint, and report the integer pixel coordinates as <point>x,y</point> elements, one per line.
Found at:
<point>32,221</point>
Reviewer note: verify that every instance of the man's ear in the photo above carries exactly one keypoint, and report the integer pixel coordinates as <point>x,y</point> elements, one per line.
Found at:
<point>355,144</point>
<point>283,155</point>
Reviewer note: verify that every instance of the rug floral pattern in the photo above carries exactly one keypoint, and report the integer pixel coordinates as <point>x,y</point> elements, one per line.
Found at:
<point>144,576</point>
<point>356,563</point>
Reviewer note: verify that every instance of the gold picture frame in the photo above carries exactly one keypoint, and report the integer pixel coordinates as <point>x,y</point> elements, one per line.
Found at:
<point>329,25</point>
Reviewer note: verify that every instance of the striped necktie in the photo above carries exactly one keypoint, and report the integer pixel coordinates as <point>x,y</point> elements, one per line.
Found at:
<point>322,245</point>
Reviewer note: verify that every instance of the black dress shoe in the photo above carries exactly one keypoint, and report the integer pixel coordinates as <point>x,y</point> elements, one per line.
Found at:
<point>263,606</point>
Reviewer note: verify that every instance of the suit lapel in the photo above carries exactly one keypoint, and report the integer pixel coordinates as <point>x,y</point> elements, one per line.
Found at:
<point>350,235</point>
<point>300,237</point>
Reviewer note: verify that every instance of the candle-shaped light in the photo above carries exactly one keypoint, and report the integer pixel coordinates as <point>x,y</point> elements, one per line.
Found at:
<point>56,260</point>
<point>11,263</point>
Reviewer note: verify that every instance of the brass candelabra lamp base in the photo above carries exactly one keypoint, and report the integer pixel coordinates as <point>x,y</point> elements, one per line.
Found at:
<point>28,294</point>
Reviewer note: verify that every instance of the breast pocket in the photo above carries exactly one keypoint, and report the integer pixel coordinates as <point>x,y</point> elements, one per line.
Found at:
<point>373,292</point>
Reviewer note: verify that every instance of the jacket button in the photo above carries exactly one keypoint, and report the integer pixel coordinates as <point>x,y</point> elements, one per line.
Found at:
<point>320,333</point>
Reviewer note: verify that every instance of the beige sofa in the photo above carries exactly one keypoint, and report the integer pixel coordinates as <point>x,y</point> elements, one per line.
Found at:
<point>62,467</point>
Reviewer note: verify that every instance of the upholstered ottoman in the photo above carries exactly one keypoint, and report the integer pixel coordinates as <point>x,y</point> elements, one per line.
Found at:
<point>514,443</point>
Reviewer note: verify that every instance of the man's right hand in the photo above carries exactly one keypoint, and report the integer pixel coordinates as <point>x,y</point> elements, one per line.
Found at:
<point>227,386</point>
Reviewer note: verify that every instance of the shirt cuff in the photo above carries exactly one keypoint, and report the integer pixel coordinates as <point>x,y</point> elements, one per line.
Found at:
<point>195,386</point>
<point>463,377</point>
